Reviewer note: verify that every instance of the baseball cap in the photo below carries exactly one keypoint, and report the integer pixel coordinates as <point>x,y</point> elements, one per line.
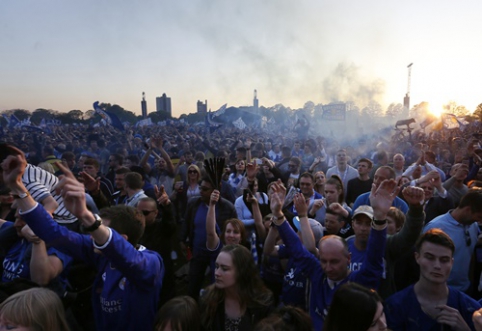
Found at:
<point>365,210</point>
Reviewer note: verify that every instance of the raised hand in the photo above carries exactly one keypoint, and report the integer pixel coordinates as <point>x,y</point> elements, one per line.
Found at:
<point>251,170</point>
<point>301,204</point>
<point>91,184</point>
<point>156,142</point>
<point>161,196</point>
<point>317,204</point>
<point>72,191</point>
<point>214,198</point>
<point>13,167</point>
<point>414,196</point>
<point>277,197</point>
<point>381,199</point>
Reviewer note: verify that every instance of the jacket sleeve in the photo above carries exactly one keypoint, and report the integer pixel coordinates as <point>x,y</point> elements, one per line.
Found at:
<point>306,261</point>
<point>69,242</point>
<point>403,241</point>
<point>371,271</point>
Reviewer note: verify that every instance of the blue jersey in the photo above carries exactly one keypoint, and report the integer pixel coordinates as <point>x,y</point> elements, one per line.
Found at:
<point>128,282</point>
<point>403,311</point>
<point>357,257</point>
<point>294,291</point>
<point>321,293</point>
<point>16,263</point>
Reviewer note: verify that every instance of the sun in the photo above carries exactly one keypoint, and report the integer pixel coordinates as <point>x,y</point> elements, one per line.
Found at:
<point>436,108</point>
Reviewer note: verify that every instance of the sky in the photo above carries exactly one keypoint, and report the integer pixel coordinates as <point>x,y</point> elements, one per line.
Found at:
<point>65,54</point>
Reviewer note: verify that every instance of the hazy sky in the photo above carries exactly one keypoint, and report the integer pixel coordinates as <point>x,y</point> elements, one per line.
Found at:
<point>66,54</point>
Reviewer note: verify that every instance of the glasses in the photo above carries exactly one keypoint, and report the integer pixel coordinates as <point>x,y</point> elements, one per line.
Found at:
<point>205,188</point>
<point>147,212</point>
<point>192,172</point>
<point>468,240</point>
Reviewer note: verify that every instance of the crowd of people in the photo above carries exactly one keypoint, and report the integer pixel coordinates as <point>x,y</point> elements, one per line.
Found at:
<point>186,228</point>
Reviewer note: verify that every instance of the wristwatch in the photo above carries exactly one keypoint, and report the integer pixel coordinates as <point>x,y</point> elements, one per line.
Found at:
<point>95,225</point>
<point>379,222</point>
<point>21,195</point>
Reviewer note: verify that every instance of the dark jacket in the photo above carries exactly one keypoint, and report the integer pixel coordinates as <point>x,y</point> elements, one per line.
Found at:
<point>224,211</point>
<point>250,318</point>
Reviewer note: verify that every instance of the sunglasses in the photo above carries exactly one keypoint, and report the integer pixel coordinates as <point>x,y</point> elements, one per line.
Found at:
<point>192,172</point>
<point>147,212</point>
<point>205,188</point>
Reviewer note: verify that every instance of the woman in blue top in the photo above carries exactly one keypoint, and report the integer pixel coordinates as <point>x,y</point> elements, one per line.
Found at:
<point>234,231</point>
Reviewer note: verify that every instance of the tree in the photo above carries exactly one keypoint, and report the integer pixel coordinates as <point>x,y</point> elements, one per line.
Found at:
<point>478,112</point>
<point>461,111</point>
<point>394,110</point>
<point>41,113</point>
<point>75,115</point>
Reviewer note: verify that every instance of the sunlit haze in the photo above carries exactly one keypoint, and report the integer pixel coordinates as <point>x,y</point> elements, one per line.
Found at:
<point>65,55</point>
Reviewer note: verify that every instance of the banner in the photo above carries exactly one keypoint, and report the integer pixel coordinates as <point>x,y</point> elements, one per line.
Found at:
<point>239,123</point>
<point>220,111</point>
<point>449,121</point>
<point>109,118</point>
<point>335,112</point>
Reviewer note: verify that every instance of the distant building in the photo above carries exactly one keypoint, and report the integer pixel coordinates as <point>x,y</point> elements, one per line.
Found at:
<point>144,105</point>
<point>255,101</point>
<point>202,107</point>
<point>163,104</point>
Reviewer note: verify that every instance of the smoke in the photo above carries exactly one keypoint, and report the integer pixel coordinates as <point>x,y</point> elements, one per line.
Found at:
<point>346,84</point>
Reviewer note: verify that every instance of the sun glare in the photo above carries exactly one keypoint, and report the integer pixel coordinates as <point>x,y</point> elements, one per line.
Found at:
<point>436,108</point>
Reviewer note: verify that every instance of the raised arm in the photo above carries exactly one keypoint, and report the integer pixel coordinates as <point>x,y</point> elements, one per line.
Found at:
<point>258,218</point>
<point>404,240</point>
<point>43,267</point>
<point>212,238</point>
<point>307,237</point>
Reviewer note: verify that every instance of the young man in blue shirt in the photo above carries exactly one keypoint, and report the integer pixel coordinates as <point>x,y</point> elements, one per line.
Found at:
<point>430,304</point>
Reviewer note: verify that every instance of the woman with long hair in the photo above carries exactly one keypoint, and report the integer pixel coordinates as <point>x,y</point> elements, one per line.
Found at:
<point>190,188</point>
<point>238,299</point>
<point>36,309</point>
<point>365,307</point>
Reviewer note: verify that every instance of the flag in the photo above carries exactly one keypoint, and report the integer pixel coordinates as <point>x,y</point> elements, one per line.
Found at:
<point>239,123</point>
<point>144,122</point>
<point>6,119</point>
<point>14,121</point>
<point>450,122</point>
<point>220,111</point>
<point>109,118</point>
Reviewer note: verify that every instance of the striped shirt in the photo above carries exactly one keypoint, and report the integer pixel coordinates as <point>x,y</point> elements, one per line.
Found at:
<point>40,184</point>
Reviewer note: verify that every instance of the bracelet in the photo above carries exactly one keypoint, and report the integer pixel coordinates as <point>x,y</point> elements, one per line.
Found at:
<point>301,216</point>
<point>21,195</point>
<point>379,222</point>
<point>274,219</point>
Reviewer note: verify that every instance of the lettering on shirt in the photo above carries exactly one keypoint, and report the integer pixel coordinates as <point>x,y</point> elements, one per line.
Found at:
<point>12,269</point>
<point>356,266</point>
<point>289,279</point>
<point>110,306</point>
